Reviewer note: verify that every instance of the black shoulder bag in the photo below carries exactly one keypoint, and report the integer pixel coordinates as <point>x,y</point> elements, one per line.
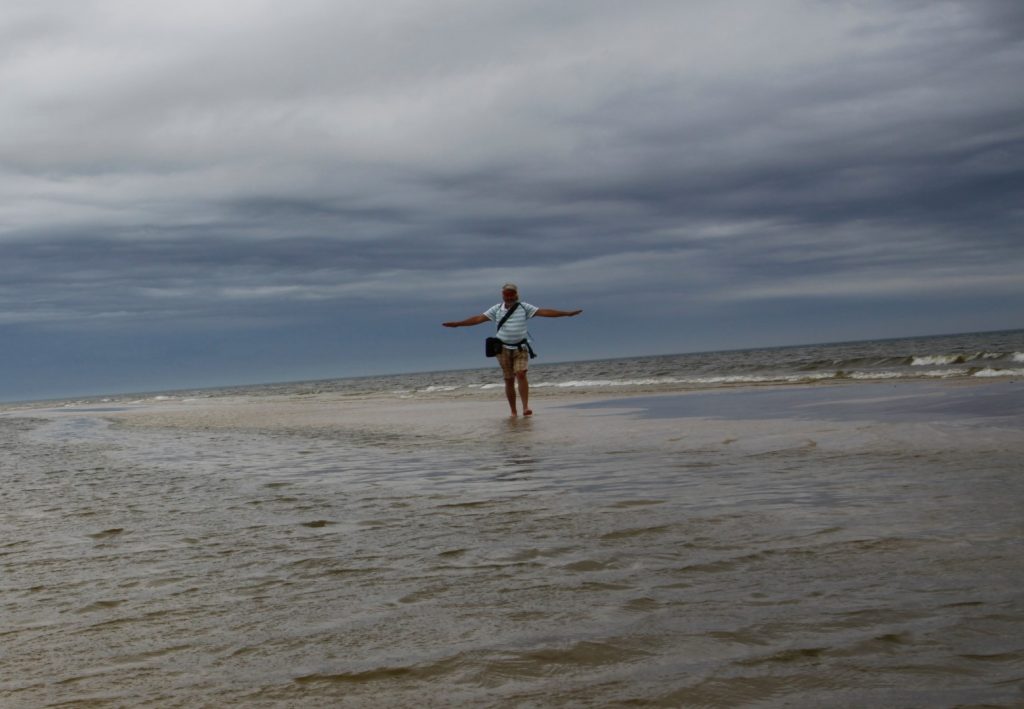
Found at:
<point>492,345</point>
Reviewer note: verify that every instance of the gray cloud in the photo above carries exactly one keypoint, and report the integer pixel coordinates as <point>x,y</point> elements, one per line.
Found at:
<point>248,164</point>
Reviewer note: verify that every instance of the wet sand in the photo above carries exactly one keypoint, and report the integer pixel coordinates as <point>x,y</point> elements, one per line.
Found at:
<point>818,546</point>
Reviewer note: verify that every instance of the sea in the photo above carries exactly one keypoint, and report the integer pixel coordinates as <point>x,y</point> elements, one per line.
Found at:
<point>823,525</point>
<point>964,357</point>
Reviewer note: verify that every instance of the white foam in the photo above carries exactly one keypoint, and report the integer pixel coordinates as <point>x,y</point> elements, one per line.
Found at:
<point>876,375</point>
<point>1017,357</point>
<point>989,372</point>
<point>736,379</point>
<point>440,387</point>
<point>591,383</point>
<point>932,360</point>
<point>812,377</point>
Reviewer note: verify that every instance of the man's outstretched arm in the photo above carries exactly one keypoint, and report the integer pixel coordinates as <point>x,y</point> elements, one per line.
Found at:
<point>549,313</point>
<point>475,320</point>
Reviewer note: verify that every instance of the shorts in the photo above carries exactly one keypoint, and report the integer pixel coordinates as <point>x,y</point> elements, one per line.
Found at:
<point>513,361</point>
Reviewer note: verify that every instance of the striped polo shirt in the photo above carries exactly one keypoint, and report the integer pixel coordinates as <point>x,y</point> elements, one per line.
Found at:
<point>514,330</point>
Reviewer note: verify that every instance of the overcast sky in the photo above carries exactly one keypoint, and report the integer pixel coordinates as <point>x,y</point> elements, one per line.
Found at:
<point>212,192</point>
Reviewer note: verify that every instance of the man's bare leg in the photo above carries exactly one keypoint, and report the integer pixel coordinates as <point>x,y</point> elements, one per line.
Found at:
<point>510,394</point>
<point>524,393</point>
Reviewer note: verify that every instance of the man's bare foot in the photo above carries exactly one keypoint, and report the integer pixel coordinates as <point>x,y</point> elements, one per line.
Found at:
<point>528,412</point>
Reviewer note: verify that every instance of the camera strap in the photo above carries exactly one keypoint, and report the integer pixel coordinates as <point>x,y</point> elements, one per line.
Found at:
<point>507,316</point>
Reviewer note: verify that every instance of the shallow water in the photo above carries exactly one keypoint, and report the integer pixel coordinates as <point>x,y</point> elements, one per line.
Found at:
<point>591,556</point>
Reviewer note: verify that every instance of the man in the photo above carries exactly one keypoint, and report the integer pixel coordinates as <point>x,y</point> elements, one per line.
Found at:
<point>515,353</point>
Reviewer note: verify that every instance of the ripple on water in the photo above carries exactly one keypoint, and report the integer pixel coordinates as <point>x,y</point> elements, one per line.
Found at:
<point>176,568</point>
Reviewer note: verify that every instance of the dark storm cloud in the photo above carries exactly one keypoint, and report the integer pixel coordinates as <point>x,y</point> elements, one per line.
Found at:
<point>239,163</point>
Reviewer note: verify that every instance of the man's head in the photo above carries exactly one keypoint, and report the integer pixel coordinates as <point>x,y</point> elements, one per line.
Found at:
<point>510,292</point>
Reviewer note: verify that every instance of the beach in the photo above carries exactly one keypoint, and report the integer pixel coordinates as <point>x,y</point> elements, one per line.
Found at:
<point>841,545</point>
<point>512,355</point>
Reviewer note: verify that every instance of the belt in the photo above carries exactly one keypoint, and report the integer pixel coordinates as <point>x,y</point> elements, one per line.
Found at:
<point>519,346</point>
